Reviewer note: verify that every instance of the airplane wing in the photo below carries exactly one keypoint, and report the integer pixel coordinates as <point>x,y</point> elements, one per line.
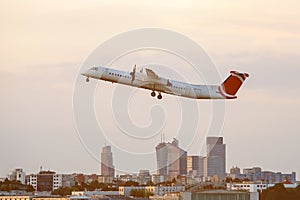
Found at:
<point>155,79</point>
<point>151,74</point>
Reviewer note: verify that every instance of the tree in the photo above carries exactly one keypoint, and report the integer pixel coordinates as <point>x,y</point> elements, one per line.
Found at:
<point>279,187</point>
<point>228,180</point>
<point>150,183</point>
<point>140,193</point>
<point>131,183</point>
<point>62,191</point>
<point>29,188</point>
<point>237,180</point>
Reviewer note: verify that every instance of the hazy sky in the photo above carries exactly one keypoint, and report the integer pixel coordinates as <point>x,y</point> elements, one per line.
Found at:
<point>44,43</point>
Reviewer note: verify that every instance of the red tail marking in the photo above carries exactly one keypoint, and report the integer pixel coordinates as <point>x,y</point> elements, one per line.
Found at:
<point>232,84</point>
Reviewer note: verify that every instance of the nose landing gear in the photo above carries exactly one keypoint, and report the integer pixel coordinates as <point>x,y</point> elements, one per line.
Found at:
<point>87,79</point>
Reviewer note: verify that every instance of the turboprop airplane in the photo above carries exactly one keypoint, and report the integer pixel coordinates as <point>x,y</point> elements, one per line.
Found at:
<point>148,79</point>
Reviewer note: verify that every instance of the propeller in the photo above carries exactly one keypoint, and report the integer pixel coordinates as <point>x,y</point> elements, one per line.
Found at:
<point>133,74</point>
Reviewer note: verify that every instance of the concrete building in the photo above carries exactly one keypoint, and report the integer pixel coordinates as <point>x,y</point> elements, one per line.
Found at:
<point>255,187</point>
<point>143,177</point>
<point>107,167</point>
<point>95,193</point>
<point>277,177</point>
<point>50,198</point>
<point>45,181</point>
<point>156,190</point>
<point>215,161</point>
<point>218,194</point>
<point>171,159</point>
<point>255,174</point>
<point>68,180</point>
<point>17,175</point>
<point>247,186</point>
<point>193,165</point>
<point>201,166</point>
<point>128,177</point>
<point>235,172</point>
<point>105,179</point>
<point>169,196</point>
<point>15,197</point>
<point>156,178</point>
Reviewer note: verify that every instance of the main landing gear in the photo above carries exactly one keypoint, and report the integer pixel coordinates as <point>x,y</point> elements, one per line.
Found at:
<point>159,96</point>
<point>153,94</point>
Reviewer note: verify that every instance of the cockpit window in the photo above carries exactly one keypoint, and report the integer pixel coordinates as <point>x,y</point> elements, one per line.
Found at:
<point>94,68</point>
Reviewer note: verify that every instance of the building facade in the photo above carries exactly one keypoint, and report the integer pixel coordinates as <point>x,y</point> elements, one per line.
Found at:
<point>18,175</point>
<point>107,167</point>
<point>45,181</point>
<point>215,161</point>
<point>193,165</point>
<point>156,190</point>
<point>171,159</point>
<point>256,174</point>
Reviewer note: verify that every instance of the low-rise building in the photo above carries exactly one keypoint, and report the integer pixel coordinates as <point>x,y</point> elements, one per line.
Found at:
<point>17,175</point>
<point>247,186</point>
<point>255,187</point>
<point>95,193</point>
<point>45,181</point>
<point>156,190</point>
<point>169,196</point>
<point>220,195</point>
<point>15,197</point>
<point>256,174</point>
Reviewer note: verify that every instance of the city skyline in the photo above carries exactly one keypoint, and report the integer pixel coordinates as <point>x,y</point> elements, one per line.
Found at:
<point>172,161</point>
<point>45,43</point>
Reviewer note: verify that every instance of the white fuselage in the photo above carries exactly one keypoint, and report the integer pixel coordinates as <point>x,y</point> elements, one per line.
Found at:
<point>159,84</point>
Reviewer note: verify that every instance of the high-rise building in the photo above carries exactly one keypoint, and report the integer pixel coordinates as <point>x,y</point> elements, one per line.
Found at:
<point>171,159</point>
<point>201,166</point>
<point>193,165</point>
<point>107,167</point>
<point>215,161</point>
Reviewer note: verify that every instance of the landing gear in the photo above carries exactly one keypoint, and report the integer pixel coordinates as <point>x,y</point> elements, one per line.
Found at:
<point>153,94</point>
<point>159,96</point>
<point>87,79</point>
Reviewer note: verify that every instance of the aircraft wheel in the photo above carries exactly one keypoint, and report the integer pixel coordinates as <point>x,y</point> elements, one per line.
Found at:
<point>87,79</point>
<point>153,94</point>
<point>159,96</point>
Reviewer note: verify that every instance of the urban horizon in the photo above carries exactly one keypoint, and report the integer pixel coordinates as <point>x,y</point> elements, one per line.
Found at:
<point>192,95</point>
<point>106,167</point>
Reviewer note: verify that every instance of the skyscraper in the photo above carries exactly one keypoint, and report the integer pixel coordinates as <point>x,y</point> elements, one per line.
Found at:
<point>171,159</point>
<point>107,167</point>
<point>215,161</point>
<point>193,165</point>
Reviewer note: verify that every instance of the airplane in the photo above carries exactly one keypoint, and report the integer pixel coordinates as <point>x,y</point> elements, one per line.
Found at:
<point>148,79</point>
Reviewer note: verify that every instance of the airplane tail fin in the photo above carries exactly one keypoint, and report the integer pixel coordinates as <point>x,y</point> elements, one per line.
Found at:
<point>232,84</point>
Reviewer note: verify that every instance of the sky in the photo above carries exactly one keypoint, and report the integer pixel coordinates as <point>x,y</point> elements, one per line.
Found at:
<point>45,43</point>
